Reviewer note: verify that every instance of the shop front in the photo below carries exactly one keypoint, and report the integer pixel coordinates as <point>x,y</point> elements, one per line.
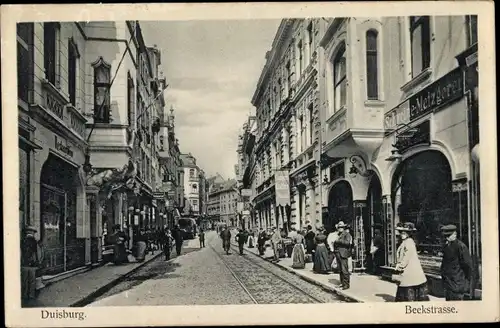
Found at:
<point>468,61</point>
<point>424,158</point>
<point>63,249</point>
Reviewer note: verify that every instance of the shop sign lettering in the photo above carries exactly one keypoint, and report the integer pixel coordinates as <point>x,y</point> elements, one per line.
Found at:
<point>441,92</point>
<point>396,116</point>
<point>63,147</point>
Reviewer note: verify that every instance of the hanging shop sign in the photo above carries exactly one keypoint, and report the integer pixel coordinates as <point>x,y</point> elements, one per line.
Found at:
<point>421,135</point>
<point>447,89</point>
<point>282,187</point>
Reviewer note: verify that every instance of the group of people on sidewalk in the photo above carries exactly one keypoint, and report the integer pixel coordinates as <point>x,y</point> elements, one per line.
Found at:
<point>333,253</point>
<point>144,243</point>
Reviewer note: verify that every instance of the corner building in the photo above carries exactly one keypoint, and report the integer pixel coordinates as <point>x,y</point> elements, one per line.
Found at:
<point>396,145</point>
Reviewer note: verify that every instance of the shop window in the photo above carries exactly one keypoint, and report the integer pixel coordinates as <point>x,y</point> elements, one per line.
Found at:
<point>371,65</point>
<point>424,186</point>
<point>339,80</point>
<point>471,22</point>
<point>420,38</point>
<point>340,205</point>
<point>50,40</point>
<point>102,86</point>
<point>24,60</point>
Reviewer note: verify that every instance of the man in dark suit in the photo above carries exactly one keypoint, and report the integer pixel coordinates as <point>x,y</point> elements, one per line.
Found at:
<point>343,246</point>
<point>456,266</point>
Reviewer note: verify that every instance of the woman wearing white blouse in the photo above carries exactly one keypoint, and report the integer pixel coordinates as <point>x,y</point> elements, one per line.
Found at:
<point>412,285</point>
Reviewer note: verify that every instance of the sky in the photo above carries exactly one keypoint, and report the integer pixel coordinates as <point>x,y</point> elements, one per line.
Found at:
<point>212,68</point>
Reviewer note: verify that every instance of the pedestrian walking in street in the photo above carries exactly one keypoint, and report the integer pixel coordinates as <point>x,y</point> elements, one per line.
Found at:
<point>251,240</point>
<point>141,242</point>
<point>330,240</point>
<point>202,238</point>
<point>119,239</point>
<point>321,258</point>
<point>298,252</point>
<point>177,234</point>
<point>343,249</point>
<point>276,243</point>
<point>30,261</point>
<point>167,242</point>
<point>241,239</point>
<point>310,235</point>
<point>412,283</point>
<point>225,235</point>
<point>377,251</point>
<point>456,266</point>
<point>261,241</point>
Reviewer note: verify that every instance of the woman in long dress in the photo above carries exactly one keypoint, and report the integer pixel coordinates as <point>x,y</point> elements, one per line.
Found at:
<point>322,263</point>
<point>298,252</point>
<point>412,286</point>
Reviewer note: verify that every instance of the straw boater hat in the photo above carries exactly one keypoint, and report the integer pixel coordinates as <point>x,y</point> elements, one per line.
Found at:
<point>449,229</point>
<point>341,224</point>
<point>407,226</point>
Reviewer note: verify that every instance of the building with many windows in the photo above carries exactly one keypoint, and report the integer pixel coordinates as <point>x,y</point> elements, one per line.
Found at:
<point>287,105</point>
<point>89,108</point>
<point>395,142</point>
<point>223,203</point>
<point>191,185</point>
<point>375,122</point>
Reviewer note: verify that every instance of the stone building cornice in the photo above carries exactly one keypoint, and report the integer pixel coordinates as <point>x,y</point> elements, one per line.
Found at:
<point>278,43</point>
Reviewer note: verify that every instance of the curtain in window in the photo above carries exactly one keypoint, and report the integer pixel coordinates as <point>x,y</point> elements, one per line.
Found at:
<point>102,97</point>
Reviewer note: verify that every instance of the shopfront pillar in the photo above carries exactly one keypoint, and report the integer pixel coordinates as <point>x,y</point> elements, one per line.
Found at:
<point>95,218</point>
<point>389,235</point>
<point>359,234</point>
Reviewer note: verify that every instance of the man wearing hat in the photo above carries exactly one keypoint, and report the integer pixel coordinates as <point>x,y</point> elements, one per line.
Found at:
<point>456,266</point>
<point>342,248</point>
<point>29,264</point>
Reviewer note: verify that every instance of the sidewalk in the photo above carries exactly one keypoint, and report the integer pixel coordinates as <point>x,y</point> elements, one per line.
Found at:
<point>77,290</point>
<point>365,288</point>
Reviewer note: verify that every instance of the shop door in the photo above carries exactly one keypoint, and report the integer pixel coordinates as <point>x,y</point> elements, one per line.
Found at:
<point>340,206</point>
<point>52,231</point>
<point>374,227</point>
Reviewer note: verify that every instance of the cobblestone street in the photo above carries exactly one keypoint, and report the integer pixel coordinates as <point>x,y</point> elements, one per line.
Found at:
<point>209,277</point>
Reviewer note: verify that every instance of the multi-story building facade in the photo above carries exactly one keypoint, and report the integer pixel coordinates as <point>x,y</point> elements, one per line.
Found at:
<point>78,122</point>
<point>191,185</point>
<point>223,203</point>
<point>246,162</point>
<point>395,143</point>
<point>393,135</point>
<point>172,172</point>
<point>287,109</point>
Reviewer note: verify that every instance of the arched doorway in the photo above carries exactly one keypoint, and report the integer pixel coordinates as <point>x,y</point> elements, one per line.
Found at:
<point>340,206</point>
<point>374,225</point>
<point>422,194</point>
<point>58,217</point>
